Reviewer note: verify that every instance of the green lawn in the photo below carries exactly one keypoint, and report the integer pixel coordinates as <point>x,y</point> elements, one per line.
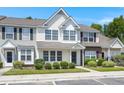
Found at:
<point>29,71</point>
<point>105,69</point>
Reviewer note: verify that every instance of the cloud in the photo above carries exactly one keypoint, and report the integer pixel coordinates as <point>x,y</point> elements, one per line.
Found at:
<point>105,20</point>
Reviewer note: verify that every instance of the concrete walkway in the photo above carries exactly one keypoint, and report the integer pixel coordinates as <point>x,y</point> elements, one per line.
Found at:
<point>3,70</point>
<point>62,76</point>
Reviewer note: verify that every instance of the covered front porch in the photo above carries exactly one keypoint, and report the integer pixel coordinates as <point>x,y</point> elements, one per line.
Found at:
<point>10,52</point>
<point>55,52</point>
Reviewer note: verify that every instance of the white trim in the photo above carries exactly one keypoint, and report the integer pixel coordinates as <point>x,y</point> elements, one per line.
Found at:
<point>61,9</point>
<point>82,47</point>
<point>6,42</point>
<point>70,18</point>
<point>9,64</point>
<point>6,29</point>
<point>117,39</point>
<point>23,33</point>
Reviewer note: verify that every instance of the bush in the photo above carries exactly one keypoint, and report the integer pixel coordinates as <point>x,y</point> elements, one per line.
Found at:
<point>56,65</point>
<point>71,65</point>
<point>1,64</point>
<point>18,65</point>
<point>64,64</point>
<point>48,66</point>
<point>100,61</point>
<point>92,64</point>
<point>38,63</point>
<point>87,60</point>
<point>108,64</point>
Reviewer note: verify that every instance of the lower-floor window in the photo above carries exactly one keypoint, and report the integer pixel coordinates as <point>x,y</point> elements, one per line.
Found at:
<point>52,55</point>
<point>25,55</point>
<point>90,54</point>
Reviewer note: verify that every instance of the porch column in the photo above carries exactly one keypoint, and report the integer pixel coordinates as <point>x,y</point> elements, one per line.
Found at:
<point>70,55</point>
<point>109,54</point>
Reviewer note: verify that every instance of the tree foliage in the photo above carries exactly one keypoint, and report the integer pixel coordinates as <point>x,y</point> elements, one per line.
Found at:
<point>116,28</point>
<point>29,17</point>
<point>97,26</point>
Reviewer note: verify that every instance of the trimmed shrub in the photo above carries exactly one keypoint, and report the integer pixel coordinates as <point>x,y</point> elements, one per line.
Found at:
<point>18,64</point>
<point>38,63</point>
<point>100,61</point>
<point>87,60</point>
<point>64,64</point>
<point>108,64</point>
<point>48,66</point>
<point>92,64</point>
<point>71,65</point>
<point>56,65</point>
<point>1,64</point>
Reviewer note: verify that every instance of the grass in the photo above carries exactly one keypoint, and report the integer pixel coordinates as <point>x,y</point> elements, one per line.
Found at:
<point>107,69</point>
<point>29,71</point>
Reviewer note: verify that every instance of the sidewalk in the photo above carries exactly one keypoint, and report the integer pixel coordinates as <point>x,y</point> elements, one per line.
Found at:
<point>62,76</point>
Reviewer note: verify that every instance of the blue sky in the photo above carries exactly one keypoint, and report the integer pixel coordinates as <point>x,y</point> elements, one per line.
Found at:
<point>84,15</point>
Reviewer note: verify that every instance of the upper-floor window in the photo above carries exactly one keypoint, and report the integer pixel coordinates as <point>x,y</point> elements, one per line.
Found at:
<point>69,35</point>
<point>89,37</point>
<point>9,33</point>
<point>51,34</point>
<point>25,34</point>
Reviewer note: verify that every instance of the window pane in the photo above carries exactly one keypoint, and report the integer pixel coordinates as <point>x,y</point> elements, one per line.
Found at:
<point>66,35</point>
<point>9,32</point>
<point>52,55</point>
<point>29,58</point>
<point>45,55</point>
<point>85,36</point>
<point>47,34</point>
<point>72,35</point>
<point>22,57</point>
<point>9,36</point>
<point>54,34</point>
<point>22,52</point>
<point>91,37</point>
<point>25,34</point>
<point>29,52</point>
<point>59,55</point>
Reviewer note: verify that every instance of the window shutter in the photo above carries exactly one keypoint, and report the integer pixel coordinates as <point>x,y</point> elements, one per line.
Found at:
<point>31,34</point>
<point>94,37</point>
<point>81,35</point>
<point>15,33</point>
<point>3,32</point>
<point>20,33</point>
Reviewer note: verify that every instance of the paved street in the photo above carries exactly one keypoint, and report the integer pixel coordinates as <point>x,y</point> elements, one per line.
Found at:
<point>95,81</point>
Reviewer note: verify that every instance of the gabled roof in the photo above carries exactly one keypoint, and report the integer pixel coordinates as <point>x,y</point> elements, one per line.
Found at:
<point>70,18</point>
<point>50,18</point>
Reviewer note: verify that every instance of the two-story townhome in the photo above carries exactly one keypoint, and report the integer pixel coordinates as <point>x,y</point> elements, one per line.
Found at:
<point>58,38</point>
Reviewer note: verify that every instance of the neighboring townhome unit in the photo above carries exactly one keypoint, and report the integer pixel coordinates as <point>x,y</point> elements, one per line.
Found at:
<point>59,38</point>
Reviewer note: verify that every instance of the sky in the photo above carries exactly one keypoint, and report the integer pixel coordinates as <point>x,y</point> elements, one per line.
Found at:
<point>83,15</point>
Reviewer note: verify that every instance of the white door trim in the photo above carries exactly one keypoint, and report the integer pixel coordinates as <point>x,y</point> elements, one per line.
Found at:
<point>9,64</point>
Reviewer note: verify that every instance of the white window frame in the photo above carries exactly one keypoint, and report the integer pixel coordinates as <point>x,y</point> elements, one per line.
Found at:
<point>90,54</point>
<point>9,30</point>
<point>87,35</point>
<point>24,30</point>
<point>51,34</point>
<point>49,56</point>
<point>69,39</point>
<point>26,54</point>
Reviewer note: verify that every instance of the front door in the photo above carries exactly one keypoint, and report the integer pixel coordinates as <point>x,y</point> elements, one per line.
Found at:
<point>9,57</point>
<point>74,57</point>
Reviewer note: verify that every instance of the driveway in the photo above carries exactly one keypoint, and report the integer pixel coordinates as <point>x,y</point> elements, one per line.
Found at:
<point>95,81</point>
